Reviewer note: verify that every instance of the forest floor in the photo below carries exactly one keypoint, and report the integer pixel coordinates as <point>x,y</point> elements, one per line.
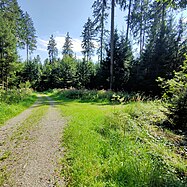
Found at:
<point>30,147</point>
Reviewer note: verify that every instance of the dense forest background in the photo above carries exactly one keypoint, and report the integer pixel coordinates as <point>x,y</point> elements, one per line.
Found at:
<point>157,27</point>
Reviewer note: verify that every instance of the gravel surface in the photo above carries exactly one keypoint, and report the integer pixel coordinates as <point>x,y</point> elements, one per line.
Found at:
<point>12,124</point>
<point>35,162</point>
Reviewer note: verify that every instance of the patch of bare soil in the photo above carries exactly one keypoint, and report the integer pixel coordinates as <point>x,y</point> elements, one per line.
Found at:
<point>35,162</point>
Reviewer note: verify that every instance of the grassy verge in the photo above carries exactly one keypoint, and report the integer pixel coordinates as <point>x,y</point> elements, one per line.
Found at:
<point>115,145</point>
<point>8,111</point>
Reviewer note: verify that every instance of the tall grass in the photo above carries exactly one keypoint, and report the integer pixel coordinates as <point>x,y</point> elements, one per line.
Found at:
<point>12,102</point>
<point>115,145</point>
<point>100,96</point>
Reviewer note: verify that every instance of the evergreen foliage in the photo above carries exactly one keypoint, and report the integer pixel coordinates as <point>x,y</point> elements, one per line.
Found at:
<point>52,49</point>
<point>175,92</point>
<point>29,34</point>
<point>68,45</point>
<point>8,53</point>
<point>122,64</point>
<point>87,42</point>
<point>100,14</point>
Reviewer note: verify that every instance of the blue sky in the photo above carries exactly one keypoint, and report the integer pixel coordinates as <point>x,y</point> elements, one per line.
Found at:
<point>58,17</point>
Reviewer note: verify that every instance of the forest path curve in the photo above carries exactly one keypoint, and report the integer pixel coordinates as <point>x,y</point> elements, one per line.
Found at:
<point>34,161</point>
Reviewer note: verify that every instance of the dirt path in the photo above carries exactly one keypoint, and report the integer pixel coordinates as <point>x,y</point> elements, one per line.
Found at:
<point>33,162</point>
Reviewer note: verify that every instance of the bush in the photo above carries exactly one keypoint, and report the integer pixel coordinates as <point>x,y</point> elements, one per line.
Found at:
<point>14,95</point>
<point>175,93</point>
<point>100,95</point>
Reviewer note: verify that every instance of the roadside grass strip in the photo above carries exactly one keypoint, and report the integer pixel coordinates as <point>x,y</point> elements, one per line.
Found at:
<point>120,145</point>
<point>7,111</point>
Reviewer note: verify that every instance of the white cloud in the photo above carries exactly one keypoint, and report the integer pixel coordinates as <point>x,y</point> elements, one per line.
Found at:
<point>77,45</point>
<point>60,39</point>
<point>42,45</point>
<point>60,42</point>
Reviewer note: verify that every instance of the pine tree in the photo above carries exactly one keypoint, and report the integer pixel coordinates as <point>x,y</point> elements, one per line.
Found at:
<point>100,14</point>
<point>163,53</point>
<point>87,42</point>
<point>68,72</point>
<point>139,20</point>
<point>13,13</point>
<point>29,34</point>
<point>85,71</point>
<point>67,47</point>
<point>52,49</point>
<point>8,53</point>
<point>123,58</point>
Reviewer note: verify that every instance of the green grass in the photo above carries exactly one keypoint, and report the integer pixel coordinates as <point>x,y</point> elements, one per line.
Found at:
<point>8,111</point>
<point>119,145</point>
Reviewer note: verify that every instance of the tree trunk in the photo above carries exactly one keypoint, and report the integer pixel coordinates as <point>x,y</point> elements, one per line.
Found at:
<point>27,48</point>
<point>7,83</point>
<point>141,29</point>
<point>102,32</point>
<point>128,20</point>
<point>2,67</point>
<point>112,44</point>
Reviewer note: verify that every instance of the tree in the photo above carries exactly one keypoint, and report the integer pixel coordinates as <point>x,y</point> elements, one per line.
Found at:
<point>100,15</point>
<point>85,72</point>
<point>68,72</point>
<point>175,92</point>
<point>32,72</point>
<point>112,43</point>
<point>122,64</point>
<point>29,34</point>
<point>139,20</point>
<point>163,52</point>
<point>8,53</point>
<point>87,42</point>
<point>52,49</point>
<point>176,4</point>
<point>68,45</point>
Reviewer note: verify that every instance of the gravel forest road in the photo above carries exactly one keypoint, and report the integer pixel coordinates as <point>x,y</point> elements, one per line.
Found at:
<point>30,147</point>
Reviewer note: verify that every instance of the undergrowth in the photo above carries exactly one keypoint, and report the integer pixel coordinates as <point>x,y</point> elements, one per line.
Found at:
<point>13,102</point>
<point>99,96</point>
<point>120,145</point>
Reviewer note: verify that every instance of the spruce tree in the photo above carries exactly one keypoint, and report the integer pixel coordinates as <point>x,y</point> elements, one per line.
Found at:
<point>67,47</point>
<point>8,52</point>
<point>29,34</point>
<point>52,49</point>
<point>123,59</point>
<point>100,14</point>
<point>87,42</point>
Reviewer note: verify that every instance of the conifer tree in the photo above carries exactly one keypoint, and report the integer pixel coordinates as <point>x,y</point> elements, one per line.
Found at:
<point>52,49</point>
<point>29,34</point>
<point>8,53</point>
<point>112,43</point>
<point>123,58</point>
<point>68,45</point>
<point>87,42</point>
<point>100,14</point>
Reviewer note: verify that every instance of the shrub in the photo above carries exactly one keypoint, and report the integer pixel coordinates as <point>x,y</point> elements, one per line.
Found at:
<point>100,95</point>
<point>175,93</point>
<point>14,95</point>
